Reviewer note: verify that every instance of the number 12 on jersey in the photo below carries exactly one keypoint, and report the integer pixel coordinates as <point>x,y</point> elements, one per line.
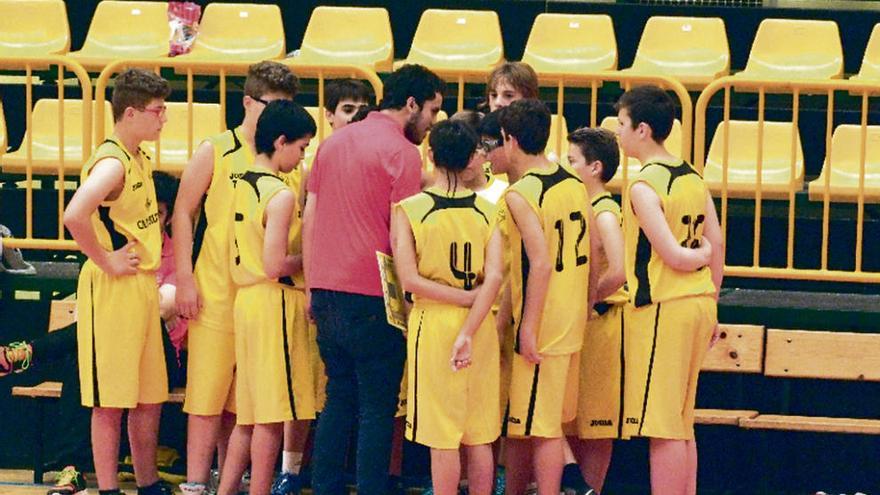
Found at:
<point>577,218</point>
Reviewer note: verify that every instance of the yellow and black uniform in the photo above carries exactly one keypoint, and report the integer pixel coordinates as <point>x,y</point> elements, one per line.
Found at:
<point>119,334</point>
<point>673,313</point>
<point>211,359</point>
<point>264,313</point>
<point>559,200</point>
<point>448,408</point>
<point>600,398</point>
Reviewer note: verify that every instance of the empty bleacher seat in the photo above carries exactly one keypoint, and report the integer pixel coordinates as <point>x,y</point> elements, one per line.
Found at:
<point>572,44</point>
<point>4,138</point>
<point>557,125</point>
<point>174,148</point>
<point>46,152</point>
<point>348,35</point>
<point>742,176</point>
<point>239,32</point>
<point>870,70</point>
<point>789,49</point>
<point>457,39</point>
<point>693,50</point>
<point>673,145</point>
<point>845,166</point>
<point>124,30</point>
<point>33,28</point>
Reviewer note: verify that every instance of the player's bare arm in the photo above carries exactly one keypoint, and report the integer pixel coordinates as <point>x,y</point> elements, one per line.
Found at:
<point>194,184</point>
<point>611,237</point>
<point>104,183</point>
<point>277,218</point>
<point>532,234</point>
<point>649,211</point>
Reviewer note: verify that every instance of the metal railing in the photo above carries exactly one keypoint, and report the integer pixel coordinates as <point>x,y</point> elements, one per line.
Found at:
<point>831,89</point>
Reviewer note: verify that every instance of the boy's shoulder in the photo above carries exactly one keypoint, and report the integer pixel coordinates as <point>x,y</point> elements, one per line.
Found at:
<point>660,176</point>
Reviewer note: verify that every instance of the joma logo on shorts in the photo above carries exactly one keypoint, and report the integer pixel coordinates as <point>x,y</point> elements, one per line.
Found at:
<point>513,420</point>
<point>601,422</point>
<point>632,421</point>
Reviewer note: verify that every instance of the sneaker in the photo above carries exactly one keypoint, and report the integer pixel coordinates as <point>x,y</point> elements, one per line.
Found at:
<point>193,488</point>
<point>214,482</point>
<point>16,358</point>
<point>11,259</point>
<point>69,482</point>
<point>287,484</point>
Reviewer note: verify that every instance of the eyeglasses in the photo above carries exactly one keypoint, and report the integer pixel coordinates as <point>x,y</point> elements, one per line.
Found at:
<point>489,145</point>
<point>159,111</point>
<point>257,98</point>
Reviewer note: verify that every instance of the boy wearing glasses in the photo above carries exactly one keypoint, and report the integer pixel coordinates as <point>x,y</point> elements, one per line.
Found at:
<point>114,219</point>
<point>205,292</point>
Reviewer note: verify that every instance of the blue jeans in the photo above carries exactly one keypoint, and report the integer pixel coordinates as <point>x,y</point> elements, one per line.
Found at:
<point>363,357</point>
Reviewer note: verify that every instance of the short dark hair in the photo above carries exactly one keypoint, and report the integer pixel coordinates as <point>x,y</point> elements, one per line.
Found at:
<point>453,143</point>
<point>282,118</point>
<point>345,89</point>
<point>651,105</point>
<point>362,113</point>
<point>136,88</point>
<point>411,80</point>
<point>166,189</point>
<point>490,126</point>
<point>270,77</point>
<point>472,118</point>
<point>529,122</point>
<point>600,144</point>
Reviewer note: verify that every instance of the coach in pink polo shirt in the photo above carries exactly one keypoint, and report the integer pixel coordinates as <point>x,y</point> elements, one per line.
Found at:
<point>358,173</point>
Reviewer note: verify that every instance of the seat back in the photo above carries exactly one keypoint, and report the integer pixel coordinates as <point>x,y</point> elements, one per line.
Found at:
<point>240,32</point>
<point>743,153</point>
<point>796,49</point>
<point>348,35</point>
<point>128,29</point>
<point>684,47</point>
<point>457,39</point>
<point>846,144</point>
<point>871,61</point>
<point>33,28</point>
<point>571,43</point>
<point>62,312</point>
<point>826,355</point>
<point>174,150</point>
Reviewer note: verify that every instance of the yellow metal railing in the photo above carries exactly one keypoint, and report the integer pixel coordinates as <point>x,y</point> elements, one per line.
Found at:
<point>829,88</point>
<point>63,66</point>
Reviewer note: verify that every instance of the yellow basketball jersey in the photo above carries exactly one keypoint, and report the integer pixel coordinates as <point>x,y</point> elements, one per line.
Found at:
<point>293,179</point>
<point>605,203</point>
<point>682,195</point>
<point>253,191</point>
<point>232,157</point>
<point>451,233</point>
<point>559,199</point>
<point>134,215</point>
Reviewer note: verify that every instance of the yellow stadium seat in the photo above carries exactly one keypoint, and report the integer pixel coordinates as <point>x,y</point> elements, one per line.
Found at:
<point>124,30</point>
<point>450,40</point>
<point>427,164</point>
<point>742,148</point>
<point>4,138</point>
<point>845,166</point>
<point>33,28</point>
<point>572,44</point>
<point>870,70</point>
<point>789,49</point>
<point>239,32</point>
<point>173,150</point>
<point>348,35</point>
<point>673,145</point>
<point>45,150</point>
<point>693,50</point>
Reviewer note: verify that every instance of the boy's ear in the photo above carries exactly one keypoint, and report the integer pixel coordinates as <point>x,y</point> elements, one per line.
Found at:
<point>431,154</point>
<point>598,167</point>
<point>328,115</point>
<point>279,142</point>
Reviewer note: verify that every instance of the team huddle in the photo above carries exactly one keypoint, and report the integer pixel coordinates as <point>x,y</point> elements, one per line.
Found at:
<point>540,309</point>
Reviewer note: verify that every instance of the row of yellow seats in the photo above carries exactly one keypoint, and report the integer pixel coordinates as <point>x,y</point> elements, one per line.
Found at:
<point>843,164</point>
<point>693,49</point>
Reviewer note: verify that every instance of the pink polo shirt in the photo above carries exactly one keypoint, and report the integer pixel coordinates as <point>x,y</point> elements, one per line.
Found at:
<point>358,173</point>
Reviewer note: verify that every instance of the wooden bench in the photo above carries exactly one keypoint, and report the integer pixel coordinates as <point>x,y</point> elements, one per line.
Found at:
<point>739,349</point>
<point>819,355</point>
<point>61,314</point>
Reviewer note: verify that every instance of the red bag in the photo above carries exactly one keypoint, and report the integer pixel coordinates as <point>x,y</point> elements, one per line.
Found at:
<point>183,18</point>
